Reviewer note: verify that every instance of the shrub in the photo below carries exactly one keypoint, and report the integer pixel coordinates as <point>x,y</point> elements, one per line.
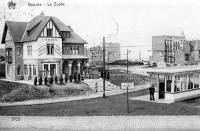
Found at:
<point>51,80</point>
<point>51,90</point>
<point>70,78</point>
<point>56,79</point>
<point>66,79</point>
<point>45,80</point>
<point>40,80</point>
<point>24,93</point>
<point>79,78</point>
<point>61,79</point>
<point>35,81</point>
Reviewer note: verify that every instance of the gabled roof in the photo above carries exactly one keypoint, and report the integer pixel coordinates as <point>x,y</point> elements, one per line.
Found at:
<point>74,38</point>
<point>61,25</point>
<point>16,29</point>
<point>34,28</point>
<point>30,31</point>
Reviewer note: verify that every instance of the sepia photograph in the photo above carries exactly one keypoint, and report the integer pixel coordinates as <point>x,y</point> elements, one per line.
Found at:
<point>99,65</point>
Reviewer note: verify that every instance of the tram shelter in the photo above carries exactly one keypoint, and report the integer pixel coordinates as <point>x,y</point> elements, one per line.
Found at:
<point>176,83</point>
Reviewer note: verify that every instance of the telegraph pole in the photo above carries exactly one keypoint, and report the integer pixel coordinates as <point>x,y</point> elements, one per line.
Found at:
<point>104,95</point>
<point>127,85</point>
<point>108,59</point>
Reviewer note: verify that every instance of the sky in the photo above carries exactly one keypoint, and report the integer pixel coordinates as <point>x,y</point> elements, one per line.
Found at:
<point>129,22</point>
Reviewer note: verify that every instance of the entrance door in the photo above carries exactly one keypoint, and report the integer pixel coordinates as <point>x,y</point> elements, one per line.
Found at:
<point>52,69</point>
<point>161,90</point>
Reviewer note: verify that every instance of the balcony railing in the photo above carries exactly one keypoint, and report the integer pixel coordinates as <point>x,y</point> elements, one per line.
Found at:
<point>9,59</point>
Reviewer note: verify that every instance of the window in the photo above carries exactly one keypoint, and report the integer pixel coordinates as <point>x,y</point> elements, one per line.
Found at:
<point>187,57</point>
<point>25,70</point>
<point>18,51</point>
<point>71,50</point>
<point>50,49</point>
<point>199,54</point>
<point>9,55</point>
<point>49,32</point>
<point>34,70</point>
<point>66,34</point>
<point>45,69</point>
<point>18,69</point>
<point>52,69</point>
<point>75,50</point>
<point>29,49</point>
<point>30,71</point>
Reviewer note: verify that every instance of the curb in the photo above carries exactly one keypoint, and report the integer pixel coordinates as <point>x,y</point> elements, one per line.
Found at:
<point>65,99</point>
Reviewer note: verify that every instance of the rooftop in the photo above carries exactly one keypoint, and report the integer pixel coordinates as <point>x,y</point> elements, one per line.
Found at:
<point>30,31</point>
<point>174,70</point>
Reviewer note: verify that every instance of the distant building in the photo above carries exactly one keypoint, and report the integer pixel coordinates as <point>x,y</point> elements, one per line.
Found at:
<point>112,53</point>
<point>190,53</point>
<point>165,47</point>
<point>96,55</point>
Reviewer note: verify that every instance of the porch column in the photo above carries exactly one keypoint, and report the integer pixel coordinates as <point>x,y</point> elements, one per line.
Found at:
<point>157,88</point>
<point>79,66</point>
<point>193,76</point>
<point>165,77</point>
<point>187,81</point>
<point>87,66</point>
<point>70,66</point>
<point>172,85</point>
<point>199,79</point>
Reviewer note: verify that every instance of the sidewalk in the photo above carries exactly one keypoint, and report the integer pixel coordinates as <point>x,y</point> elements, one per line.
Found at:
<point>100,122</point>
<point>147,98</point>
<point>72,98</point>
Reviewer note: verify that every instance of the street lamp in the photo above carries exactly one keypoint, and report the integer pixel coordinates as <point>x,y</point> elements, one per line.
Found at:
<point>128,51</point>
<point>104,88</point>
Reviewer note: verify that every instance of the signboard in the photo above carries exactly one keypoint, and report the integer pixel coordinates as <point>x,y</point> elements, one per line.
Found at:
<point>161,64</point>
<point>129,84</point>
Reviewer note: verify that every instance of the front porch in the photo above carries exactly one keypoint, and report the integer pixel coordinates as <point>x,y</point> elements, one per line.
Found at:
<point>75,64</point>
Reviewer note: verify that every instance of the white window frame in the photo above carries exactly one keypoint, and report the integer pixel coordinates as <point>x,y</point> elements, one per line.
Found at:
<point>29,50</point>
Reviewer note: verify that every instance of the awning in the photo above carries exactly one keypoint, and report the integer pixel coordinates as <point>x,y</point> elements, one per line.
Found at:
<point>175,69</point>
<point>50,61</point>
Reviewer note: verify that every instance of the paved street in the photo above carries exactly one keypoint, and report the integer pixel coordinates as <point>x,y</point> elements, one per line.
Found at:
<point>101,122</point>
<point>111,105</point>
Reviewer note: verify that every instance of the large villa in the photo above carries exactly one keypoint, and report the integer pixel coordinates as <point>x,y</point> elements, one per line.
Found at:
<point>43,46</point>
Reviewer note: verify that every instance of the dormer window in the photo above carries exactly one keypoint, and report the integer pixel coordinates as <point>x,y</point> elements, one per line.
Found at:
<point>66,34</point>
<point>49,32</point>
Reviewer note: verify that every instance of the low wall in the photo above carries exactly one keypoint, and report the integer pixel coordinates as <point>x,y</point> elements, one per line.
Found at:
<point>182,95</point>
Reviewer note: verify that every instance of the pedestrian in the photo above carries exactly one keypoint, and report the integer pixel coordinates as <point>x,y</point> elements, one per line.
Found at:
<point>96,87</point>
<point>150,92</point>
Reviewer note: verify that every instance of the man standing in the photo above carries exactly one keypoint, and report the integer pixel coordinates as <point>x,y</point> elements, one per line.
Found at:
<point>150,92</point>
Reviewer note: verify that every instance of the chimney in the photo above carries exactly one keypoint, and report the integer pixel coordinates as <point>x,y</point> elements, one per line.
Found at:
<point>42,13</point>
